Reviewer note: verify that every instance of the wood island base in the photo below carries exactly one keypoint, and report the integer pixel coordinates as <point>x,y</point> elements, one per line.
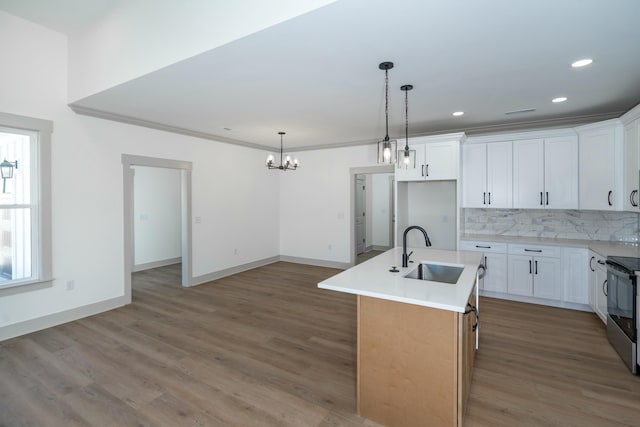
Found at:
<point>415,363</point>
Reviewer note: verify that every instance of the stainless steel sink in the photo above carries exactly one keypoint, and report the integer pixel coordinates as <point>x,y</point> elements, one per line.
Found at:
<point>436,273</point>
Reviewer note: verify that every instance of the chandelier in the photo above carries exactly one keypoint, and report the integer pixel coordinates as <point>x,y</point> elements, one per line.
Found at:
<point>285,165</point>
<point>386,147</point>
<point>407,157</point>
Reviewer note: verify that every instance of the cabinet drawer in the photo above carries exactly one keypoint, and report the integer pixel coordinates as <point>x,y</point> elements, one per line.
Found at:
<point>483,246</point>
<point>534,250</point>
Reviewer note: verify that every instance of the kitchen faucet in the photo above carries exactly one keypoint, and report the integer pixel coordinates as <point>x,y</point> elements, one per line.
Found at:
<point>405,257</point>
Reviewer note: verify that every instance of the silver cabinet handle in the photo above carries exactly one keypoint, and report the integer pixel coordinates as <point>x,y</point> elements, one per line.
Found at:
<point>609,197</point>
<point>590,265</point>
<point>605,288</point>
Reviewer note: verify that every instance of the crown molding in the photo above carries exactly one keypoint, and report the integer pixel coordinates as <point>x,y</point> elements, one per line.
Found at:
<point>470,134</point>
<point>631,115</point>
<point>85,111</point>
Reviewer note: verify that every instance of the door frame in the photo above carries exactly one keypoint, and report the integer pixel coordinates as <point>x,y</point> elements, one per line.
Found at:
<point>352,208</point>
<point>128,161</point>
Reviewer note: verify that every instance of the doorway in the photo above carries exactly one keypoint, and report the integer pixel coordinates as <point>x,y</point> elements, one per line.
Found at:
<point>129,163</point>
<point>372,212</point>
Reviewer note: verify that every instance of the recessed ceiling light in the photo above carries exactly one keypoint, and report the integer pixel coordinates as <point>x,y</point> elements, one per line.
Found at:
<point>559,99</point>
<point>458,113</point>
<point>582,63</point>
<point>227,128</point>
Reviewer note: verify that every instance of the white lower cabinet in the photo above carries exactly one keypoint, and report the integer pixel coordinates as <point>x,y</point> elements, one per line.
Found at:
<point>598,284</point>
<point>551,275</point>
<point>534,276</point>
<point>494,260</point>
<point>574,276</point>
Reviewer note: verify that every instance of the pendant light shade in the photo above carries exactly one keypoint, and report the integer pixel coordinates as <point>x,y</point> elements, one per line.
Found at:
<point>386,148</point>
<point>406,157</point>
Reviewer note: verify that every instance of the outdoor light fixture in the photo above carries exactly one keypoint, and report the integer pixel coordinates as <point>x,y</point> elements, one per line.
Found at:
<point>406,157</point>
<point>287,164</point>
<point>386,148</point>
<point>6,170</point>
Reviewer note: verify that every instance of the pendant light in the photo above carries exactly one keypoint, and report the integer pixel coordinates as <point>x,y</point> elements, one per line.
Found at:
<point>285,165</point>
<point>407,157</point>
<point>386,148</point>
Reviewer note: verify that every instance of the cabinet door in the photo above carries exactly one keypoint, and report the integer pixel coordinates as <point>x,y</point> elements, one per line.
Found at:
<point>528,174</point>
<point>520,273</point>
<point>416,170</point>
<point>631,143</point>
<point>546,278</point>
<point>601,292</point>
<point>561,172</point>
<point>495,278</point>
<point>591,271</point>
<point>441,161</point>
<point>474,175</point>
<point>500,175</point>
<point>597,169</point>
<point>575,272</point>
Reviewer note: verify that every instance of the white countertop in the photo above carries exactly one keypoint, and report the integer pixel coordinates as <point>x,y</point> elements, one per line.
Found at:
<point>373,279</point>
<point>601,247</point>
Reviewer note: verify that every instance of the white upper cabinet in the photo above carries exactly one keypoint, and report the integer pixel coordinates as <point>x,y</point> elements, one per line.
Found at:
<point>436,158</point>
<point>487,175</point>
<point>545,173</point>
<point>601,166</point>
<point>631,156</point>
<point>631,177</point>
<point>528,174</point>
<point>474,175</point>
<point>561,172</point>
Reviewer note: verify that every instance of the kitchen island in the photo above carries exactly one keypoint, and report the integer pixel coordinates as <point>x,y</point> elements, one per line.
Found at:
<point>416,338</point>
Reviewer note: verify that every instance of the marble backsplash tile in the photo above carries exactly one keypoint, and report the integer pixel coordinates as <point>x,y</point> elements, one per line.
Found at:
<point>564,224</point>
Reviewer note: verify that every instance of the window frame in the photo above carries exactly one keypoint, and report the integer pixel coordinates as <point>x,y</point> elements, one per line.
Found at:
<point>40,199</point>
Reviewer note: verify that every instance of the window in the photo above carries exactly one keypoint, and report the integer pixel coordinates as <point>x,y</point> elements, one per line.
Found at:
<point>25,244</point>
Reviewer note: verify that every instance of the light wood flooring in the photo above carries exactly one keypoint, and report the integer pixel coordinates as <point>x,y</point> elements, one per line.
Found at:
<point>267,348</point>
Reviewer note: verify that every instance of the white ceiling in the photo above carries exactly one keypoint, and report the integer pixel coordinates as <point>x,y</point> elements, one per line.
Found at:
<point>317,78</point>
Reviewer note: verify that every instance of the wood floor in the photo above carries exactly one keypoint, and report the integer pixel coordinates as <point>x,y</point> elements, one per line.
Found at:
<point>267,348</point>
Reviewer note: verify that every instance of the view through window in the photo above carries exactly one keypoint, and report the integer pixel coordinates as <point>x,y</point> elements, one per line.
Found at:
<point>17,210</point>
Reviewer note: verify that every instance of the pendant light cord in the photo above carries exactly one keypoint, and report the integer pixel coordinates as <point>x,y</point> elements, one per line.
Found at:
<point>406,120</point>
<point>386,104</point>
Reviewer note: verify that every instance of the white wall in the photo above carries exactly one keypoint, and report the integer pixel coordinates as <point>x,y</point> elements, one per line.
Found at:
<point>315,214</point>
<point>156,215</point>
<point>237,201</point>
<point>380,209</point>
<point>127,44</point>
<point>432,205</point>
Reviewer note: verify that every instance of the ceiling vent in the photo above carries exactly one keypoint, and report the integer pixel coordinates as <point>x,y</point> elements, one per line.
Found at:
<point>526,110</point>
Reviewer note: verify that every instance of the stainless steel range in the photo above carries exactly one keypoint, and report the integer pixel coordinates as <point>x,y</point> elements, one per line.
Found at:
<point>622,306</point>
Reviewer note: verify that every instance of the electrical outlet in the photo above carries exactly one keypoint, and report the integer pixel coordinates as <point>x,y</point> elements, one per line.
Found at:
<point>198,220</point>
<point>70,285</point>
<point>329,247</point>
<point>235,251</point>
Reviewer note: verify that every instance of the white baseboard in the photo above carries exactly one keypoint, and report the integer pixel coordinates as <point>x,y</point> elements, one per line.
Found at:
<point>316,262</point>
<point>539,301</point>
<point>33,325</point>
<point>47,321</point>
<point>156,264</point>
<point>233,270</point>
